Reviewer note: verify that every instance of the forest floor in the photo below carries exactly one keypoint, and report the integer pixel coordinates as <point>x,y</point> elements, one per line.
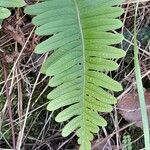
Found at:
<point>24,89</point>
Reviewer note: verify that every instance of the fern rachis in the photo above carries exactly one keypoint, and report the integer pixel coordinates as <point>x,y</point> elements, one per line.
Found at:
<point>83,51</point>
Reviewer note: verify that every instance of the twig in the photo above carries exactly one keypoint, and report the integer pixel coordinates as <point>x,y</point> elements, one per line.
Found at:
<point>135,1</point>
<point>5,74</point>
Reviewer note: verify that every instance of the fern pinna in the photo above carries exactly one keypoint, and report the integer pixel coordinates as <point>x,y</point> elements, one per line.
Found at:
<point>81,38</point>
<point>4,4</point>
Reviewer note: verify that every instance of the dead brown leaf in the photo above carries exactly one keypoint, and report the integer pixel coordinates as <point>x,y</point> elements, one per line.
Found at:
<point>129,107</point>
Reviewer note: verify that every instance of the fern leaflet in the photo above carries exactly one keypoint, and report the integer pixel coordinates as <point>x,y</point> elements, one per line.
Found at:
<point>4,4</point>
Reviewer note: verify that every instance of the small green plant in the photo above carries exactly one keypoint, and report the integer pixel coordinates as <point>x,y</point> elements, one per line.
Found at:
<point>82,53</point>
<point>5,4</point>
<point>127,142</point>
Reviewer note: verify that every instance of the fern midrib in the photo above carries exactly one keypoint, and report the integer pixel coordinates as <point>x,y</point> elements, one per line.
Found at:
<point>83,52</point>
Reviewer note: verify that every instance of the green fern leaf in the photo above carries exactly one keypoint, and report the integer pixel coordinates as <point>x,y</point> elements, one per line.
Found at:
<point>82,53</point>
<point>4,13</point>
<point>12,3</point>
<point>4,4</point>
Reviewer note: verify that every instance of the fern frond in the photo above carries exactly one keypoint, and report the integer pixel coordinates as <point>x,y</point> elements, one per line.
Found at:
<point>82,52</point>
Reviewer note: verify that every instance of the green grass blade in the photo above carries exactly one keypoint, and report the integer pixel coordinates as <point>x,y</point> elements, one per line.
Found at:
<point>140,90</point>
